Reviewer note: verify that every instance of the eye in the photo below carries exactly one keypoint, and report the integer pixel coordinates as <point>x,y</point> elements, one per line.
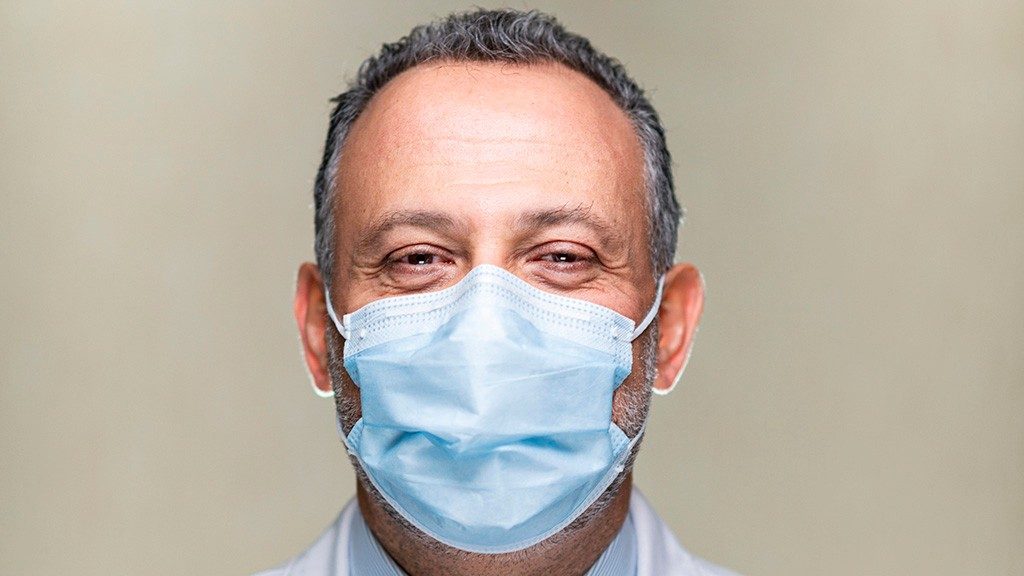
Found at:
<point>561,257</point>
<point>417,261</point>
<point>419,258</point>
<point>563,265</point>
<point>565,256</point>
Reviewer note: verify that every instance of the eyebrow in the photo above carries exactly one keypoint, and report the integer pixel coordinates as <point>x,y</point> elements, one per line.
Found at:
<point>526,224</point>
<point>431,220</point>
<point>535,221</point>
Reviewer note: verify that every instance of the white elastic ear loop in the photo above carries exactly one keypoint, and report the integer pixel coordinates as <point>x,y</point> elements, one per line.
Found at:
<point>334,318</point>
<point>330,312</point>
<point>652,313</point>
<point>679,375</point>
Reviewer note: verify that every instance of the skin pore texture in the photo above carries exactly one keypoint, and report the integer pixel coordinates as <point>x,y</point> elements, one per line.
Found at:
<point>529,167</point>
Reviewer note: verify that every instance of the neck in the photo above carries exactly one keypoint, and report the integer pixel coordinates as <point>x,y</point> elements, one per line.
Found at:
<point>571,552</point>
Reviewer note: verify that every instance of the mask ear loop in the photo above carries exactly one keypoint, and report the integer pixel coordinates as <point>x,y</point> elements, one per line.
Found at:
<point>686,361</point>
<point>679,375</point>
<point>338,325</point>
<point>652,313</point>
<point>320,392</point>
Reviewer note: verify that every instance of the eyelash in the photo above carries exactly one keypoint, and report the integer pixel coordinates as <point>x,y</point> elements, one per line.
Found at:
<point>400,258</point>
<point>572,259</point>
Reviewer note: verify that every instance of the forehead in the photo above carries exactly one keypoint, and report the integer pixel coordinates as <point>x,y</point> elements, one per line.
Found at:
<point>495,101</point>
<point>486,143</point>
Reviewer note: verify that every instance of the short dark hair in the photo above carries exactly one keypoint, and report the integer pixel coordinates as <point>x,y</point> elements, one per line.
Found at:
<point>508,36</point>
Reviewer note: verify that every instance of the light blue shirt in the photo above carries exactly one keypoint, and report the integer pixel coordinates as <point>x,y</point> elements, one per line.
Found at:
<point>367,557</point>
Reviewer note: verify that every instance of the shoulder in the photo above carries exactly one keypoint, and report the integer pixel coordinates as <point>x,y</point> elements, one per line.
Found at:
<point>658,551</point>
<point>327,556</point>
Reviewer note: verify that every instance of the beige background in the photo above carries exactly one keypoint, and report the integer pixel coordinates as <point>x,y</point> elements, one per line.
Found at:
<point>854,175</point>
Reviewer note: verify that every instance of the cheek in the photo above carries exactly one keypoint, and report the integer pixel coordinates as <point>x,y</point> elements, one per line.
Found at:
<point>348,403</point>
<point>631,401</point>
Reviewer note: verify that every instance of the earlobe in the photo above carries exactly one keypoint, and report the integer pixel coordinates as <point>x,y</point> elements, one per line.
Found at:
<point>678,319</point>
<point>310,315</point>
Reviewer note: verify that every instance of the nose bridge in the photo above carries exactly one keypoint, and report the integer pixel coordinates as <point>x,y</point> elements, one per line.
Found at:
<point>490,233</point>
<point>489,246</point>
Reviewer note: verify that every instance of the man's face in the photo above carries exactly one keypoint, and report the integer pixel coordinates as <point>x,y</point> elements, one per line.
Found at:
<point>531,168</point>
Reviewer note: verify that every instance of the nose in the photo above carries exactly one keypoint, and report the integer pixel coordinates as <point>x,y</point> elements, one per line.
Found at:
<point>489,248</point>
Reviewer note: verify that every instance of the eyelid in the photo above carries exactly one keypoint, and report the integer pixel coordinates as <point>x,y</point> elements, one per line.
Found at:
<point>405,278</point>
<point>398,254</point>
<point>581,251</point>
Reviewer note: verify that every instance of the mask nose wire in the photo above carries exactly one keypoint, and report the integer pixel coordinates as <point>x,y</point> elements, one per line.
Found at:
<point>652,313</point>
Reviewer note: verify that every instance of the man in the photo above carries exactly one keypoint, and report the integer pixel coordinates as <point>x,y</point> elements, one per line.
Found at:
<point>493,303</point>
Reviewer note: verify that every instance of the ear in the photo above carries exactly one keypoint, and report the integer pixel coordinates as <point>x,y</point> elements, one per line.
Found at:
<point>311,316</point>
<point>681,305</point>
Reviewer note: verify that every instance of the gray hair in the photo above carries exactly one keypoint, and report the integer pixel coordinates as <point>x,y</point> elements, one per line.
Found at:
<point>515,37</point>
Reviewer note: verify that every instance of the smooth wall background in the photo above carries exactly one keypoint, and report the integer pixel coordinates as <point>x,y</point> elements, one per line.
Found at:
<point>854,179</point>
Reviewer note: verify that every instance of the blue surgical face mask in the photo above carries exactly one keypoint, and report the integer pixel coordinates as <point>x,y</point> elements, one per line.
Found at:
<point>487,406</point>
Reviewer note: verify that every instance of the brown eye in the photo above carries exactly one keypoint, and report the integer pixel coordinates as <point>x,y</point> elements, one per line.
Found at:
<point>419,259</point>
<point>564,257</point>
